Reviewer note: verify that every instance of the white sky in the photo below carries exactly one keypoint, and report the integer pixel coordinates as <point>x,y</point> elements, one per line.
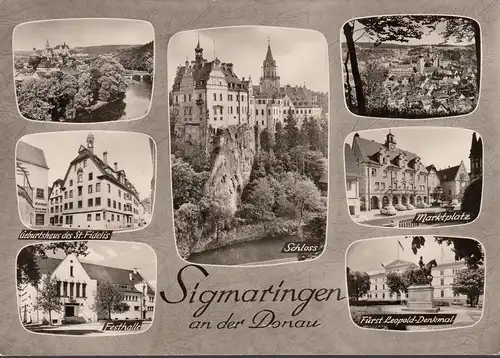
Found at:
<point>301,55</point>
<point>369,255</point>
<point>132,151</point>
<point>429,38</point>
<point>126,255</point>
<point>81,32</point>
<point>441,146</point>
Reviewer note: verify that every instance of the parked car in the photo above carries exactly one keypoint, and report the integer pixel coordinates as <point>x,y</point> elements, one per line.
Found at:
<point>422,205</point>
<point>400,207</point>
<point>453,205</point>
<point>409,207</point>
<point>388,210</point>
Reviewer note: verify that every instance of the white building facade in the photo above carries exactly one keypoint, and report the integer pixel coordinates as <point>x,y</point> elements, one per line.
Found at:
<point>77,284</point>
<point>94,195</point>
<point>211,93</point>
<point>443,276</point>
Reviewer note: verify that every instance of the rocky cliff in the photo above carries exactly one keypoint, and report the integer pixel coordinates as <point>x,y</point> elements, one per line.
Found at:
<point>233,151</point>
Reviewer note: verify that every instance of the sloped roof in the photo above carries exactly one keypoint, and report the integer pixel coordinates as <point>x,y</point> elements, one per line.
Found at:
<point>30,154</point>
<point>99,273</point>
<point>369,148</point>
<point>351,166</point>
<point>201,72</point>
<point>84,153</point>
<point>399,263</point>
<point>448,174</point>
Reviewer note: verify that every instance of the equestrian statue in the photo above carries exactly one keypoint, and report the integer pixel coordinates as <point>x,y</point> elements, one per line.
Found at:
<point>422,275</point>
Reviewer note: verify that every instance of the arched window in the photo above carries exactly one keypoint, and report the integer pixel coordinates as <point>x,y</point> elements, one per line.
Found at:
<point>442,293</point>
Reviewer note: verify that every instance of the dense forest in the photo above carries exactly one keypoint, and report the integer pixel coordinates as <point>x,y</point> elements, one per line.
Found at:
<point>138,58</point>
<point>65,95</point>
<point>281,198</point>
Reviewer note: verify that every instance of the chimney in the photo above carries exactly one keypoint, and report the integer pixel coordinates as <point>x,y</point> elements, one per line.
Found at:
<point>105,157</point>
<point>116,166</point>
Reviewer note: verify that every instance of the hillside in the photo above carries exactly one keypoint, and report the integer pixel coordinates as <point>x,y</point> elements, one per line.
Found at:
<point>137,57</point>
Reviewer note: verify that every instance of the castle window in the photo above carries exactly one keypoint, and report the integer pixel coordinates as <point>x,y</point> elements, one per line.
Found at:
<point>84,290</point>
<point>97,201</point>
<point>109,188</point>
<point>80,177</point>
<point>40,193</point>
<point>80,191</point>
<point>85,163</point>
<point>71,182</point>
<point>90,203</point>
<point>215,110</point>
<point>176,99</point>
<point>80,204</point>
<point>90,189</point>
<point>98,187</point>
<point>262,113</point>
<point>442,293</point>
<point>215,96</point>
<point>91,176</point>
<point>189,98</point>
<point>109,203</point>
<point>98,217</point>
<point>184,98</point>
<point>89,217</point>
<point>442,282</point>
<point>65,195</point>
<point>377,185</point>
<point>220,97</point>
<point>374,172</point>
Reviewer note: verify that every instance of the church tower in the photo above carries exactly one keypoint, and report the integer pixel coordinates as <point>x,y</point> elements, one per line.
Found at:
<point>390,142</point>
<point>476,157</point>
<point>270,78</point>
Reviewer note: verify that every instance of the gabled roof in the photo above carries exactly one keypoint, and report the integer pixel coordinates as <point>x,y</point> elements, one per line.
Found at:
<point>369,148</point>
<point>351,166</point>
<point>448,174</point>
<point>399,263</point>
<point>84,153</point>
<point>30,154</point>
<point>100,273</point>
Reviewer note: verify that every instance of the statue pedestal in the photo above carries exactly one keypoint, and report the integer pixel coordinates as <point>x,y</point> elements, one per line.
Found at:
<point>421,299</point>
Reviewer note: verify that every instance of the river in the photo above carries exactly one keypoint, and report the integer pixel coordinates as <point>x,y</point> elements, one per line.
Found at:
<point>134,105</point>
<point>255,251</point>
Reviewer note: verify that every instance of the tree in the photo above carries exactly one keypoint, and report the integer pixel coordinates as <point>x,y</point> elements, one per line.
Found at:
<point>306,196</point>
<point>266,140</point>
<point>312,131</point>
<point>34,61</point>
<point>27,266</point>
<point>187,221</point>
<point>18,64</point>
<point>358,284</point>
<point>396,283</point>
<point>280,140</point>
<point>469,250</point>
<point>470,282</point>
<point>379,29</point>
<point>108,299</point>
<point>261,199</point>
<point>315,229</point>
<point>187,185</point>
<point>48,298</point>
<point>291,131</point>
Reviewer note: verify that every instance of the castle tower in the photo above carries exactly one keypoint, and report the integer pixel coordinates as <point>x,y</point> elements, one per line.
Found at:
<point>47,44</point>
<point>476,157</point>
<point>90,143</point>
<point>198,52</point>
<point>270,78</point>
<point>390,141</point>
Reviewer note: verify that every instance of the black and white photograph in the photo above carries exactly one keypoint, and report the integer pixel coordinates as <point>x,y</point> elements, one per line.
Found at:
<point>249,144</point>
<point>416,283</point>
<point>85,288</point>
<point>414,177</point>
<point>411,66</point>
<point>83,70</point>
<point>99,180</point>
